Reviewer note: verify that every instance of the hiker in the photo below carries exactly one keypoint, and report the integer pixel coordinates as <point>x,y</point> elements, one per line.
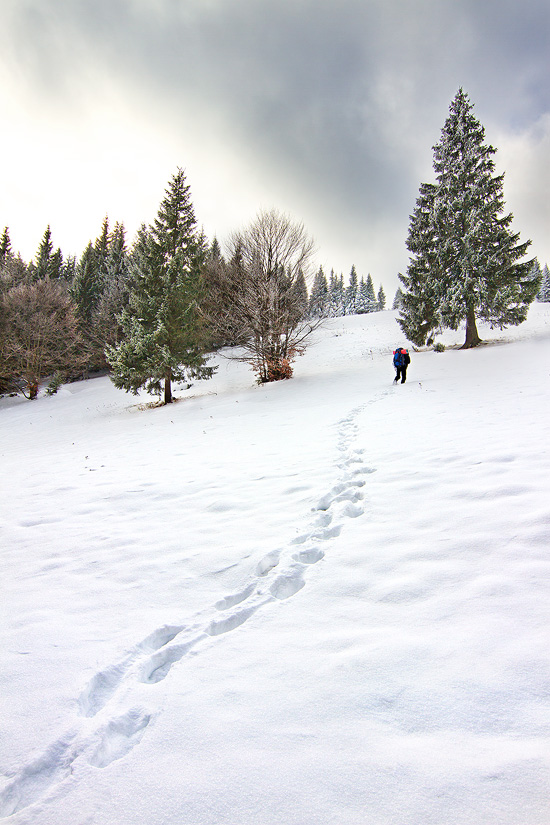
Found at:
<point>401,360</point>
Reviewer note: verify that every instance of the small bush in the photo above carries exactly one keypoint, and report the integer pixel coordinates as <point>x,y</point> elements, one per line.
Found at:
<point>439,347</point>
<point>56,381</point>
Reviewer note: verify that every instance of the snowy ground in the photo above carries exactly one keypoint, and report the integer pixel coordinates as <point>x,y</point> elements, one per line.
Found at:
<point>319,602</point>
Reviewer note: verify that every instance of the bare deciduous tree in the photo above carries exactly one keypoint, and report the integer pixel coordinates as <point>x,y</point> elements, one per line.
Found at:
<point>256,301</point>
<point>39,335</point>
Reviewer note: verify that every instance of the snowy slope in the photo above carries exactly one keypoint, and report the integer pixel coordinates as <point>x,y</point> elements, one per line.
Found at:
<point>320,601</point>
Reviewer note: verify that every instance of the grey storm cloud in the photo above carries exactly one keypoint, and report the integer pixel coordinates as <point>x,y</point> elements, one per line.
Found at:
<point>343,100</point>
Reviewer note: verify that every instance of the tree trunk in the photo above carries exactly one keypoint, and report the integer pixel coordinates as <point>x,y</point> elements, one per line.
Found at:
<point>168,389</point>
<point>472,336</point>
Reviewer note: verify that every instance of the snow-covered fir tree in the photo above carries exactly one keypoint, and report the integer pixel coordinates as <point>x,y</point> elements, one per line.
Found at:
<point>370,293</point>
<point>115,293</point>
<point>87,286</point>
<point>397,298</point>
<point>5,246</point>
<point>299,293</point>
<point>475,261</point>
<point>351,293</point>
<point>366,302</point>
<point>335,295</point>
<point>318,299</point>
<point>544,292</point>
<point>381,298</point>
<point>419,298</point>
<point>163,338</point>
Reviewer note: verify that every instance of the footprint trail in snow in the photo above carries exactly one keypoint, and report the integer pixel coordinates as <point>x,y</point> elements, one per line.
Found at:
<point>106,734</point>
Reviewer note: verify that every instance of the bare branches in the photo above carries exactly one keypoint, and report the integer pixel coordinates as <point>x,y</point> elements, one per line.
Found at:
<point>255,300</point>
<point>39,334</point>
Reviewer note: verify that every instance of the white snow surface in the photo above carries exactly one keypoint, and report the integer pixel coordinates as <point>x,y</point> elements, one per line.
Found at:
<point>324,601</point>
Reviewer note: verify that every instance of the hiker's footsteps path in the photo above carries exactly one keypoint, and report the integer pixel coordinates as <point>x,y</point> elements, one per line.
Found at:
<point>279,575</point>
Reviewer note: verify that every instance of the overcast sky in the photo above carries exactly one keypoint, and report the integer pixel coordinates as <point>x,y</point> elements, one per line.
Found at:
<point>324,109</point>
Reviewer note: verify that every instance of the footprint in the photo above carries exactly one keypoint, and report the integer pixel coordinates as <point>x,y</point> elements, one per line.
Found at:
<point>156,668</point>
<point>160,637</point>
<point>311,556</point>
<point>268,563</point>
<point>328,533</point>
<point>353,511</point>
<point>350,495</point>
<point>323,520</point>
<point>34,779</point>
<point>101,687</point>
<point>219,626</point>
<point>119,736</point>
<point>235,598</point>
<point>287,584</point>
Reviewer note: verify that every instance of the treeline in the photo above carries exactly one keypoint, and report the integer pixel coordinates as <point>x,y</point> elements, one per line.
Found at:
<point>332,298</point>
<point>57,315</point>
<point>150,313</point>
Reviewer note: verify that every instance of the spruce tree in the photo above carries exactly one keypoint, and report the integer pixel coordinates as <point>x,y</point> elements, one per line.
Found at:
<point>319,295</point>
<point>215,252</point>
<point>86,288</point>
<point>114,297</point>
<point>162,335</point>
<point>334,306</point>
<point>371,295</point>
<point>42,267</point>
<point>419,298</point>
<point>397,298</point>
<point>544,293</point>
<point>351,293</point>
<point>5,246</point>
<point>467,264</point>
<point>381,297</point>
<point>367,302</point>
<point>299,293</point>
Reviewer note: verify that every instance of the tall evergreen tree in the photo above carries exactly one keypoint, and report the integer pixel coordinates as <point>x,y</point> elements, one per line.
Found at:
<point>5,246</point>
<point>86,288</point>
<point>419,298</point>
<point>351,293</point>
<point>105,328</point>
<point>335,295</point>
<point>319,295</point>
<point>366,300</point>
<point>41,268</point>
<point>215,252</point>
<point>544,293</point>
<point>476,269</point>
<point>57,267</point>
<point>371,293</point>
<point>381,298</point>
<point>162,339</point>
<point>299,293</point>
<point>397,299</point>
<point>103,242</point>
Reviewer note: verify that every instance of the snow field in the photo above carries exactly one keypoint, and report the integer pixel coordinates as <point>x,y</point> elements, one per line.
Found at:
<point>324,600</point>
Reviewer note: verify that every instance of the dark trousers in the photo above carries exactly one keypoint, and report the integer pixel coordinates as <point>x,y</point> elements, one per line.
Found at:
<point>401,373</point>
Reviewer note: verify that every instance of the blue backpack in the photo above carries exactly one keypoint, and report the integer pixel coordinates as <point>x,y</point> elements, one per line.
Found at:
<point>399,357</point>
